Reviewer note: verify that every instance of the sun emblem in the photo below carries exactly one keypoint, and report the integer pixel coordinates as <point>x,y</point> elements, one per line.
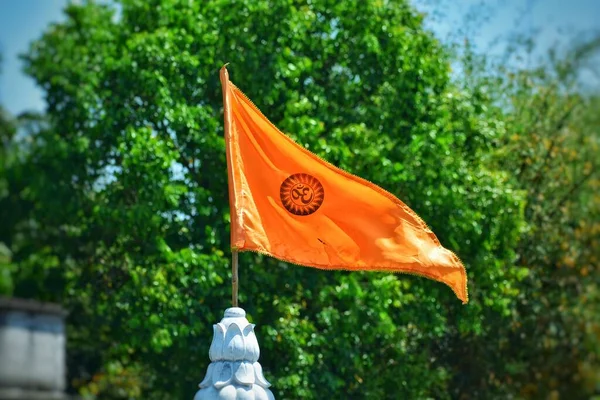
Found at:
<point>302,194</point>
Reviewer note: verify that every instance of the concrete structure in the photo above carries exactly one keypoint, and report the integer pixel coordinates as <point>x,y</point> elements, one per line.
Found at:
<point>32,350</point>
<point>234,372</point>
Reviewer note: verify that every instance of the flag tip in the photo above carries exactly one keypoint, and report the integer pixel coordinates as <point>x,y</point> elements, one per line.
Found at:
<point>224,74</point>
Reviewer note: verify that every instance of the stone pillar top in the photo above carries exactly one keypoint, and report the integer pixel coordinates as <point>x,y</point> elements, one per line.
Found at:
<point>235,312</point>
<point>234,372</point>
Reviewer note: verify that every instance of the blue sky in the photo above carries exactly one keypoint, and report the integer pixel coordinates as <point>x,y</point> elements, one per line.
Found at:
<point>22,21</point>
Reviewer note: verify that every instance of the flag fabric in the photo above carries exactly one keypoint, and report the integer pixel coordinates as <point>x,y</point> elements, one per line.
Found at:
<point>290,204</point>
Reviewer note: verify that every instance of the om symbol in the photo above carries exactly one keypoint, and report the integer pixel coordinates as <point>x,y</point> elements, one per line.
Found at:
<point>302,194</point>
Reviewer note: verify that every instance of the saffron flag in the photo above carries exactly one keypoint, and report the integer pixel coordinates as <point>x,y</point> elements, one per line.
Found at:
<point>288,203</point>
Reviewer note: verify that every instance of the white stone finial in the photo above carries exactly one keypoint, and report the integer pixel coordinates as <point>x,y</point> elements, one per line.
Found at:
<point>234,372</point>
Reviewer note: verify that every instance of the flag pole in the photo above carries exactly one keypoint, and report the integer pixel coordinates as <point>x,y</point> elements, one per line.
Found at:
<point>234,278</point>
<point>224,76</point>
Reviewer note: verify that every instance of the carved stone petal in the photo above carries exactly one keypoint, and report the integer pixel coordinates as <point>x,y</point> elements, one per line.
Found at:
<point>216,347</point>
<point>233,347</point>
<point>262,394</point>
<point>245,374</point>
<point>244,393</point>
<point>208,378</point>
<point>252,348</point>
<point>227,393</point>
<point>260,378</point>
<point>222,375</point>
<point>206,393</point>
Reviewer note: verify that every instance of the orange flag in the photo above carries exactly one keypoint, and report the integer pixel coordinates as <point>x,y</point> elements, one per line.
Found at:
<point>288,203</point>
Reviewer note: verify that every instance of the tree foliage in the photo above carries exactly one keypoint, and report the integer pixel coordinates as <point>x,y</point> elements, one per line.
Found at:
<point>548,347</point>
<point>551,147</point>
<point>117,203</point>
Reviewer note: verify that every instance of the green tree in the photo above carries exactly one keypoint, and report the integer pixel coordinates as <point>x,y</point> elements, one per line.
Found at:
<point>553,147</point>
<point>549,346</point>
<point>127,223</point>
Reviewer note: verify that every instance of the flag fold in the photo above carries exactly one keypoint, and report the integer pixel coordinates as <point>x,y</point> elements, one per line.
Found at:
<point>288,203</point>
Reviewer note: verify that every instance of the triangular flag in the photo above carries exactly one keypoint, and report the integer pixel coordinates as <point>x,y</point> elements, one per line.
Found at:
<point>288,203</point>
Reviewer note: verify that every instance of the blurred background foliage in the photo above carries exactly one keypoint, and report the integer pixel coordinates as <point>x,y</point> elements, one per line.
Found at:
<point>114,201</point>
